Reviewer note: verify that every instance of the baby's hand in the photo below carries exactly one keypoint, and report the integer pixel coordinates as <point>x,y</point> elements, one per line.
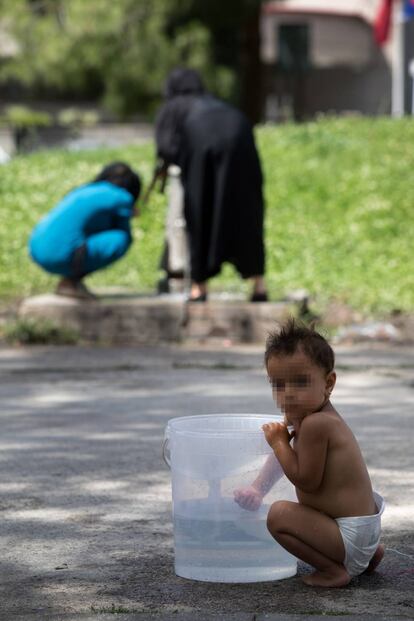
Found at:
<point>248,498</point>
<point>276,432</point>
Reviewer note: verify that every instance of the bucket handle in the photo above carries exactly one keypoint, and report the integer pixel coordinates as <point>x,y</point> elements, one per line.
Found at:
<point>166,454</point>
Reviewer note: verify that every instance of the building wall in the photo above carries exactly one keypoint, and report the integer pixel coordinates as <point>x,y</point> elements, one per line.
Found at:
<point>330,38</point>
<point>343,89</point>
<point>348,71</point>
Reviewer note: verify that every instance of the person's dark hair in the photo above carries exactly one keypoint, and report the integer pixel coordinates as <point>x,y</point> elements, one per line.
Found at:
<point>122,175</point>
<point>293,336</point>
<point>183,81</point>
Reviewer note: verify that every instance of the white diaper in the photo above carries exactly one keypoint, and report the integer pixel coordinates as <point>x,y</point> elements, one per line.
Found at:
<point>361,537</point>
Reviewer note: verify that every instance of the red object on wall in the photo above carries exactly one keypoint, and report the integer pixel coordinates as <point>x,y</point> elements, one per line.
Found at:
<point>382,23</point>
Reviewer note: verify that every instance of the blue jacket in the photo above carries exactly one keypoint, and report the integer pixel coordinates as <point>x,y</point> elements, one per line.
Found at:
<point>86,210</point>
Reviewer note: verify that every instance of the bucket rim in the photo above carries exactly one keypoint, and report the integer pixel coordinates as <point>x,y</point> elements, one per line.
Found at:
<point>170,424</point>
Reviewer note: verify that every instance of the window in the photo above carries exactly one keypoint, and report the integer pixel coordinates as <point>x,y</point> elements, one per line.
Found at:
<point>294,48</point>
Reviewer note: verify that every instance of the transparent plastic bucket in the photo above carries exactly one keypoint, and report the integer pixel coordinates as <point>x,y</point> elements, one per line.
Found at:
<point>216,540</point>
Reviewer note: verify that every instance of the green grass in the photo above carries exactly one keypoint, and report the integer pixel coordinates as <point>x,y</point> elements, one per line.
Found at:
<point>38,332</point>
<point>340,197</point>
<point>339,218</point>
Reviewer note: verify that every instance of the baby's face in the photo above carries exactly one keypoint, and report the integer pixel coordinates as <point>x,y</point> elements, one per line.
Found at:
<point>299,386</point>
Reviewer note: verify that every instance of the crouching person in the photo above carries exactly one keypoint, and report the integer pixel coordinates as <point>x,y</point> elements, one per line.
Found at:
<point>88,229</point>
<point>336,524</point>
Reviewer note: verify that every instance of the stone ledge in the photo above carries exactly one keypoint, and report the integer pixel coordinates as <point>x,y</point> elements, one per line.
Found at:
<point>136,320</point>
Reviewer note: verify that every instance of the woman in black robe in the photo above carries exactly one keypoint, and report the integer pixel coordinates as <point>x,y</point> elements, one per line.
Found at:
<point>213,145</point>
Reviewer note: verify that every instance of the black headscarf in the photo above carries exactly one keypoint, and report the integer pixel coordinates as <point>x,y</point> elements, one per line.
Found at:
<point>183,87</point>
<point>183,81</point>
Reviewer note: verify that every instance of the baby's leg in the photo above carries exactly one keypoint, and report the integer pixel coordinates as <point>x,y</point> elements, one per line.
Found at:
<point>314,538</point>
<point>376,559</point>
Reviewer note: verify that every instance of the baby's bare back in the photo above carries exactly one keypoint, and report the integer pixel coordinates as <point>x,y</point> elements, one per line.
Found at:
<point>345,489</point>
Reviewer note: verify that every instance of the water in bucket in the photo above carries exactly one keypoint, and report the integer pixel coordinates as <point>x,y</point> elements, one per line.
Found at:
<point>215,539</point>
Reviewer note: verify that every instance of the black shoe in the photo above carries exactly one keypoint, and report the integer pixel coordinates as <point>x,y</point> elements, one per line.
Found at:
<point>259,297</point>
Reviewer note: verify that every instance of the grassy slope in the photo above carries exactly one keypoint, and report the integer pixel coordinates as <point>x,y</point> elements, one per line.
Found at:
<point>339,220</point>
<point>340,209</point>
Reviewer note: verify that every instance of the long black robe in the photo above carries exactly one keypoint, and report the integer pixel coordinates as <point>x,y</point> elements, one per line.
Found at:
<point>213,144</point>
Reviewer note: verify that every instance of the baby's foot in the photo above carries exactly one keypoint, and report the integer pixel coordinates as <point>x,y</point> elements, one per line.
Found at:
<point>335,577</point>
<point>376,559</point>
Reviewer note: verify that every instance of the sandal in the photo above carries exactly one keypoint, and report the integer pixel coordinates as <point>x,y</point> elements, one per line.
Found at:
<point>199,298</point>
<point>259,297</point>
<point>74,289</point>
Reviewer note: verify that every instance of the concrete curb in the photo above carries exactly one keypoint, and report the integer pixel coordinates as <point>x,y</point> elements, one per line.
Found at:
<point>134,320</point>
<point>242,616</point>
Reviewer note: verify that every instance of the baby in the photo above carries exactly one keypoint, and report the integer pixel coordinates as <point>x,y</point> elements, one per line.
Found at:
<point>336,524</point>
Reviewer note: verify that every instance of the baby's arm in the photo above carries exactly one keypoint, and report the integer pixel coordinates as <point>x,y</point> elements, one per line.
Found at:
<point>304,466</point>
<point>251,497</point>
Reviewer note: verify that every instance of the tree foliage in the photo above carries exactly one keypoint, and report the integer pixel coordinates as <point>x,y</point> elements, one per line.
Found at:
<point>118,51</point>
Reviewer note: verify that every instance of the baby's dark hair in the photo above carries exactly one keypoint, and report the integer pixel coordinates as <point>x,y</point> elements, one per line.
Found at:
<point>122,175</point>
<point>293,336</point>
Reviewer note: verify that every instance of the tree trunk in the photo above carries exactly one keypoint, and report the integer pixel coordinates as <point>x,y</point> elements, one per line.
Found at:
<point>251,97</point>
